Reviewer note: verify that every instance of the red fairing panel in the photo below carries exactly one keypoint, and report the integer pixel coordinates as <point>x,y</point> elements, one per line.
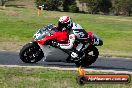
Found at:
<point>58,36</point>
<point>42,42</point>
<point>90,34</point>
<point>61,36</point>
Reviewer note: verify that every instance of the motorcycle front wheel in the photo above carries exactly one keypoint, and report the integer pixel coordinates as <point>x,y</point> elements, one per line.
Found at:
<point>31,53</point>
<point>91,55</point>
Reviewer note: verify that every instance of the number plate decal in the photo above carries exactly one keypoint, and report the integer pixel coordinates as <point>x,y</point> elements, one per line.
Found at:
<point>96,41</point>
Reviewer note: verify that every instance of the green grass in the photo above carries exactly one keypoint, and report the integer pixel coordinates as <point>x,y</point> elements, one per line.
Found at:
<point>46,78</point>
<point>19,25</point>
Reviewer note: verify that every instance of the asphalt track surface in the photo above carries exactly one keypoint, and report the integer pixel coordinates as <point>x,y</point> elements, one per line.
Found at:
<point>106,64</point>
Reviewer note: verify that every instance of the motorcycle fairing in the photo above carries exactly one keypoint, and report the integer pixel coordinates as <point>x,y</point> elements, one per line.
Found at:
<point>42,41</point>
<point>94,39</point>
<point>58,36</point>
<point>79,31</point>
<point>91,37</point>
<point>61,36</point>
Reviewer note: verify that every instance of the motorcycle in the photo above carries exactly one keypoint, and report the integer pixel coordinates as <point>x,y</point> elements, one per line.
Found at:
<point>35,51</point>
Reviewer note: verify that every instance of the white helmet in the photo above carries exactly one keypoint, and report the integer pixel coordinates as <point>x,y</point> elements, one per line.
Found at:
<point>65,22</point>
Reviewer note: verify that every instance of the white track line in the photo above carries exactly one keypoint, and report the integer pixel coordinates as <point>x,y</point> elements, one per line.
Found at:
<point>68,69</point>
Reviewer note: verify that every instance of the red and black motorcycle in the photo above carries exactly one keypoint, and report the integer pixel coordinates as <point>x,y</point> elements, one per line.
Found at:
<point>35,51</point>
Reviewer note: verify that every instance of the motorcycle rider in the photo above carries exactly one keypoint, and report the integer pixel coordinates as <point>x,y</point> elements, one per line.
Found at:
<point>67,37</point>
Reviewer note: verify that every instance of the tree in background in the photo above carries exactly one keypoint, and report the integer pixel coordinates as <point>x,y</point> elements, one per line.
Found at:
<point>104,6</point>
<point>92,5</point>
<point>117,7</point>
<point>123,7</point>
<point>67,5</point>
<point>2,2</point>
<point>127,7</point>
<point>95,6</point>
<point>49,4</point>
<point>70,6</point>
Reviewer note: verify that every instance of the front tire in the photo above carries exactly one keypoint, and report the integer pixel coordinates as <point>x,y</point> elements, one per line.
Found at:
<point>31,53</point>
<point>91,55</point>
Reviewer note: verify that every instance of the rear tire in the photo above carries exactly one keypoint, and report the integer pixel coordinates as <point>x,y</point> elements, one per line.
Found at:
<point>31,53</point>
<point>88,59</point>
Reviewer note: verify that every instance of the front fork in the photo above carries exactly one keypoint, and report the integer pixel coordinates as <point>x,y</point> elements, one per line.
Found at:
<point>79,51</point>
<point>81,47</point>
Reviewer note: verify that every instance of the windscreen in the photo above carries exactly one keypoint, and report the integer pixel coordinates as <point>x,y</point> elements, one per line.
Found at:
<point>43,32</point>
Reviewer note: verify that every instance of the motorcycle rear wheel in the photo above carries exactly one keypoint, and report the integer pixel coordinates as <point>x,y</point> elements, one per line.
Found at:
<point>31,53</point>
